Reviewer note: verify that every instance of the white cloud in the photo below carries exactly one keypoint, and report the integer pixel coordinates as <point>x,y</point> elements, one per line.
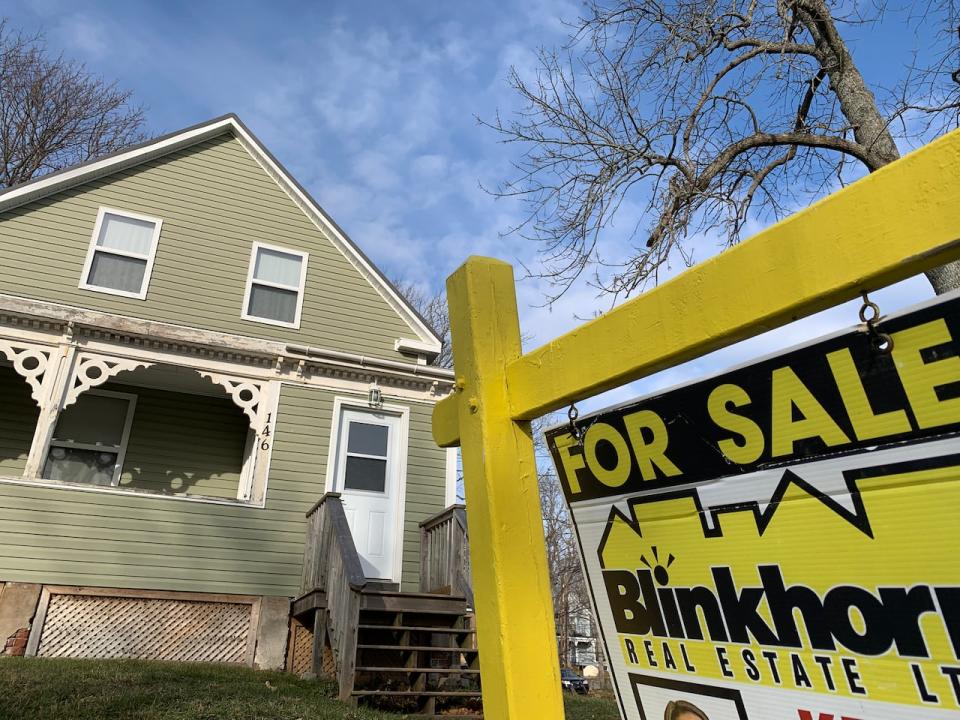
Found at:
<point>84,34</point>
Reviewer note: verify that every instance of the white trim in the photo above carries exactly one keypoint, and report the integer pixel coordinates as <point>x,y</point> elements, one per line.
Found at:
<point>331,481</point>
<point>205,131</point>
<point>126,326</point>
<point>450,484</point>
<point>120,450</point>
<point>413,347</point>
<point>93,249</point>
<point>245,486</point>
<point>55,485</point>
<point>251,280</point>
<point>262,460</point>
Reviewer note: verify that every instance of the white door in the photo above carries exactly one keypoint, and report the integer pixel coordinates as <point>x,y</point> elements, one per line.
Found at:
<point>367,479</point>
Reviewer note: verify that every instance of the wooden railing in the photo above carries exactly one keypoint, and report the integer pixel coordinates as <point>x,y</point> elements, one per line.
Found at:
<point>445,553</point>
<point>332,565</point>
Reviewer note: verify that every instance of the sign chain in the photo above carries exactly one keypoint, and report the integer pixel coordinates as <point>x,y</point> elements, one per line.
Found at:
<point>869,314</point>
<point>575,432</point>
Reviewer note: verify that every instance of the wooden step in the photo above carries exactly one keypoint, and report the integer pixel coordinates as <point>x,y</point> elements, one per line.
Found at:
<point>406,593</point>
<point>381,586</point>
<point>420,628</point>
<point>425,603</point>
<point>446,671</point>
<point>378,597</point>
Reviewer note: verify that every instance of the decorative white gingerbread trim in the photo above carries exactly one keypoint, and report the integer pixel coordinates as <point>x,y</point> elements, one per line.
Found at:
<point>94,370</point>
<point>30,362</point>
<point>244,393</point>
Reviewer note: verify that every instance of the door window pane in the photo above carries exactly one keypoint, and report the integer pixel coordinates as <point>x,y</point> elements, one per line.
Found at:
<point>117,272</point>
<point>368,439</point>
<point>272,303</point>
<point>277,267</point>
<point>363,473</point>
<point>126,234</point>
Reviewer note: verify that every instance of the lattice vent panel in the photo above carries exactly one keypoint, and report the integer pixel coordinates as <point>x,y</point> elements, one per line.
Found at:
<point>84,626</point>
<point>301,646</point>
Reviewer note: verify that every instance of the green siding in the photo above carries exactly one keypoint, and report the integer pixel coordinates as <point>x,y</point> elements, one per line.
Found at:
<point>18,418</point>
<point>182,443</point>
<point>56,535</point>
<point>215,202</point>
<point>426,475</point>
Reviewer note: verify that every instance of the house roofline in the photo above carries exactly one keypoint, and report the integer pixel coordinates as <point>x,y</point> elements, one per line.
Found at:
<point>70,177</point>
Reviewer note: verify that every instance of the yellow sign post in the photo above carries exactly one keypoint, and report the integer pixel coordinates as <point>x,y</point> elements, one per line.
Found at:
<point>893,224</point>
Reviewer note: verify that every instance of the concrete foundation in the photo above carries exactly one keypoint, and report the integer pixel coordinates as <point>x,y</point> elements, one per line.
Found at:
<point>18,604</point>
<point>272,633</point>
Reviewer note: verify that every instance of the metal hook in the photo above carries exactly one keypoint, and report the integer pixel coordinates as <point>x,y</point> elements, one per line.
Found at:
<point>575,432</point>
<point>881,341</point>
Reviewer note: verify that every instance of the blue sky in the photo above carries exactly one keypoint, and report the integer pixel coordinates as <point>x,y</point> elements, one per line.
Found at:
<point>372,106</point>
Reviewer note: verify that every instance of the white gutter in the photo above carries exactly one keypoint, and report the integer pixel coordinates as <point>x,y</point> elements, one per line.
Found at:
<point>308,353</point>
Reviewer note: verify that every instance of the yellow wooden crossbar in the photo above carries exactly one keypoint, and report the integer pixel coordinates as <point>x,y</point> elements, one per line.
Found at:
<point>888,226</point>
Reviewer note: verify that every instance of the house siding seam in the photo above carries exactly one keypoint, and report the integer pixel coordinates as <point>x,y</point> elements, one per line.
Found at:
<point>215,202</point>
<point>62,536</point>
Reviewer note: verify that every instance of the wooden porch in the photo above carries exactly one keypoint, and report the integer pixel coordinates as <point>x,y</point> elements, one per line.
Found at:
<point>410,651</point>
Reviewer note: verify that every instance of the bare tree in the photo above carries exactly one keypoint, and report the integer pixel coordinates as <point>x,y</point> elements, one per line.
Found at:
<point>54,113</point>
<point>571,599</point>
<point>433,309</point>
<point>570,596</point>
<point>709,113</point>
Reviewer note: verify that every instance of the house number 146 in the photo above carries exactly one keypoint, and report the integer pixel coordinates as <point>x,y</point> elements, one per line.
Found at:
<point>265,443</point>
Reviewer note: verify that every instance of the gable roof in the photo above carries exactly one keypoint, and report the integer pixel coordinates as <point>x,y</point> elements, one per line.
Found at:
<point>427,339</point>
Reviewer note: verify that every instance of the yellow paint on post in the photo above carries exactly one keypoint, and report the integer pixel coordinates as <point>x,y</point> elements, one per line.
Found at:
<point>515,628</point>
<point>446,423</point>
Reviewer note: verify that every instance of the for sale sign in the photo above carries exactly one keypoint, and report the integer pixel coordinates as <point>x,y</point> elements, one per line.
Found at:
<point>782,541</point>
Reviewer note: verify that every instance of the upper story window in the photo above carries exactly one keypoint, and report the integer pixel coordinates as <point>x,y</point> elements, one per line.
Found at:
<point>275,285</point>
<point>121,253</point>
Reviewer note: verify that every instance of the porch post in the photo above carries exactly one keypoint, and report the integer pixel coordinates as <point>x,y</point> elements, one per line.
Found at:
<point>56,383</point>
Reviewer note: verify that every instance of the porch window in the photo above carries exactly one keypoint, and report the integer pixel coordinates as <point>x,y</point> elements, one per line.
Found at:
<point>90,439</point>
<point>120,258</point>
<point>274,292</point>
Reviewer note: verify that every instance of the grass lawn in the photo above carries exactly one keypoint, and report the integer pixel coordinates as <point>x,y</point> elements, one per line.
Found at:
<point>38,689</point>
<point>591,707</point>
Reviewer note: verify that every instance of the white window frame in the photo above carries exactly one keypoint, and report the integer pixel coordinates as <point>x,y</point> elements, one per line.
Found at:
<point>257,246</point>
<point>124,438</point>
<point>94,249</point>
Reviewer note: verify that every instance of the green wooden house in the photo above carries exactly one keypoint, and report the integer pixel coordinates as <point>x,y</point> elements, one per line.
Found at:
<point>193,357</point>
